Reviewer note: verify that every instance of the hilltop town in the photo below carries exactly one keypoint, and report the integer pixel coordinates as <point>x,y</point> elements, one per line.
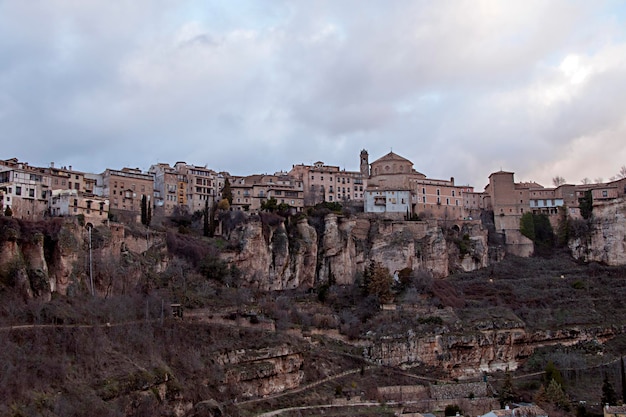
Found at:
<point>389,186</point>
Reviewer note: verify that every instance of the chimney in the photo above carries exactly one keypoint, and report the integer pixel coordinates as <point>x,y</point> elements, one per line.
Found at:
<point>52,164</point>
<point>70,168</point>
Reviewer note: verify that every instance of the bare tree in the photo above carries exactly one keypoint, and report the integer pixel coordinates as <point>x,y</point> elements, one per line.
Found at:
<point>558,180</point>
<point>622,172</point>
<point>599,180</point>
<point>585,181</point>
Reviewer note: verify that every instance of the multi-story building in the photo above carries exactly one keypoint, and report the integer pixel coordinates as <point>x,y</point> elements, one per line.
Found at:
<point>330,183</point>
<point>433,198</point>
<point>125,188</point>
<point>251,191</point>
<point>25,189</point>
<point>93,208</point>
<point>65,178</point>
<point>166,188</point>
<point>197,186</point>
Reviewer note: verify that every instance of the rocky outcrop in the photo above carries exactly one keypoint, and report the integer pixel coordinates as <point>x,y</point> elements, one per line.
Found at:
<point>276,256</point>
<point>37,259</point>
<point>272,259</point>
<point>605,239</point>
<point>469,354</point>
<point>256,373</point>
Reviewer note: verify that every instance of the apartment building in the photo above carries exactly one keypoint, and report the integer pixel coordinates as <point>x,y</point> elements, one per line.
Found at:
<point>25,189</point>
<point>125,188</point>
<point>197,186</point>
<point>169,188</point>
<point>251,191</point>
<point>330,183</point>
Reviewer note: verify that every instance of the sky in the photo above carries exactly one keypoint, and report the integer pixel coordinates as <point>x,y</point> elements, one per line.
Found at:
<point>460,88</point>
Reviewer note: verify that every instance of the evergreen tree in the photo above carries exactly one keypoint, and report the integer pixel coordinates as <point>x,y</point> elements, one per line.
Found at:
<point>506,394</point>
<point>148,212</point>
<point>227,192</point>
<point>623,374</point>
<point>270,205</point>
<point>585,204</point>
<point>527,226</point>
<point>8,212</point>
<point>144,210</point>
<point>552,373</point>
<point>563,227</point>
<point>205,218</point>
<point>608,392</point>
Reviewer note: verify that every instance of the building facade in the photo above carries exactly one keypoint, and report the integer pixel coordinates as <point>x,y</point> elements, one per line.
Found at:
<point>329,183</point>
<point>125,188</point>
<point>429,198</point>
<point>93,208</point>
<point>25,189</point>
<point>251,191</point>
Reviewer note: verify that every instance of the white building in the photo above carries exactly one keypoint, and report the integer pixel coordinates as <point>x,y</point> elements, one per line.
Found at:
<point>387,201</point>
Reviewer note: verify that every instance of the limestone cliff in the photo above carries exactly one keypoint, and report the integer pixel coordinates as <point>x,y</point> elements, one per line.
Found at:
<point>605,240</point>
<point>40,258</point>
<point>469,354</point>
<point>276,256</point>
<point>261,372</point>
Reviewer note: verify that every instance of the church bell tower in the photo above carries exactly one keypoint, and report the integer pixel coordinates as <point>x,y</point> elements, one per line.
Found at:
<point>365,164</point>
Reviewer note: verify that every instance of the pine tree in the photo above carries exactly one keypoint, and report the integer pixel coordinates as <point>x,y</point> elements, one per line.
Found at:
<point>144,210</point>
<point>205,224</point>
<point>148,212</point>
<point>608,392</point>
<point>623,374</point>
<point>506,392</point>
<point>585,205</point>
<point>227,192</point>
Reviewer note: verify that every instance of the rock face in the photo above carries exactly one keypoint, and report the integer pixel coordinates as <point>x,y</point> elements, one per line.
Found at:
<point>56,258</point>
<point>606,240</point>
<point>276,256</point>
<point>272,253</point>
<point>471,354</point>
<point>256,373</point>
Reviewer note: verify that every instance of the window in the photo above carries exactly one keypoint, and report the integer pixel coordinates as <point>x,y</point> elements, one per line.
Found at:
<point>605,193</point>
<point>31,193</point>
<point>322,178</point>
<point>447,201</point>
<point>18,190</point>
<point>438,191</point>
<point>452,193</point>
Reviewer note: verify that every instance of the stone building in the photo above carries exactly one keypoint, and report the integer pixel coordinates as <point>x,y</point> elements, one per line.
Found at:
<point>25,189</point>
<point>330,183</point>
<point>125,189</point>
<point>201,185</point>
<point>251,191</point>
<point>94,209</point>
<point>429,198</point>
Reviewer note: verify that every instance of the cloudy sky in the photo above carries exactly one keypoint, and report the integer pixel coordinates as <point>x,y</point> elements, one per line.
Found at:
<point>461,88</point>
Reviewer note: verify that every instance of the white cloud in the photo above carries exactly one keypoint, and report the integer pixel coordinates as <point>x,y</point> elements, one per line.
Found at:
<point>462,88</point>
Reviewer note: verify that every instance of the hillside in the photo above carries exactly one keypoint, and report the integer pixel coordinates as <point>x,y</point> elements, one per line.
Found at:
<point>122,352</point>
